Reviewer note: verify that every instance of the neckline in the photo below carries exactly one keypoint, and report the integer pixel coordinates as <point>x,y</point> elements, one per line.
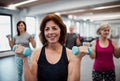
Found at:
<point>57,62</point>
<point>104,47</point>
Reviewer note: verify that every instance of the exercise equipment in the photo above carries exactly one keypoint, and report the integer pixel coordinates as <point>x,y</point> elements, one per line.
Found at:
<point>83,44</point>
<point>7,36</point>
<point>75,50</point>
<point>33,35</point>
<point>27,51</point>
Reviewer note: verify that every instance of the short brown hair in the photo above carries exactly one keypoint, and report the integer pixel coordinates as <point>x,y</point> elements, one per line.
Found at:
<point>57,19</point>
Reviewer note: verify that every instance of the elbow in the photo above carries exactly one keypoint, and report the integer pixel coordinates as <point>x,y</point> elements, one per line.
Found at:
<point>117,57</point>
<point>34,46</point>
<point>92,56</point>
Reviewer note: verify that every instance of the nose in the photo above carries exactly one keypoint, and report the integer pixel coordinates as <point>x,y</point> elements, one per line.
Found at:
<point>51,31</point>
<point>107,31</point>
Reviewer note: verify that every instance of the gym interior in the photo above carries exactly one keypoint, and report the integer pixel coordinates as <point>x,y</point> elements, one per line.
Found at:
<point>85,15</point>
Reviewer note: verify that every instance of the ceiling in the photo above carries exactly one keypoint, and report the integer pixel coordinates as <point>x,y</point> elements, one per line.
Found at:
<point>78,8</point>
<point>5,3</point>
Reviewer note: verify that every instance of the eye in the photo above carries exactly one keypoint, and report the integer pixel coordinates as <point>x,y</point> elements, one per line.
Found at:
<point>106,30</point>
<point>54,28</point>
<point>46,29</point>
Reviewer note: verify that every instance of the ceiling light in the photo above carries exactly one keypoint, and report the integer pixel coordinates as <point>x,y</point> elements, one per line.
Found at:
<point>13,6</point>
<point>105,7</point>
<point>72,11</point>
<point>57,14</point>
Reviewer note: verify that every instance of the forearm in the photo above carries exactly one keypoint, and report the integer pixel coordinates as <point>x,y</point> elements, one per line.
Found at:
<point>74,75</point>
<point>93,55</point>
<point>78,42</point>
<point>27,73</point>
<point>11,44</point>
<point>33,42</point>
<point>117,52</point>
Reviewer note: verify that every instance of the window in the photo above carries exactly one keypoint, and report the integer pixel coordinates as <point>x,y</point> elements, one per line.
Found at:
<point>5,29</point>
<point>31,26</point>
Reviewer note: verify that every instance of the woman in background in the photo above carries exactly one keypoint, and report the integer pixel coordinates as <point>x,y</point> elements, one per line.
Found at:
<point>103,51</point>
<point>23,38</point>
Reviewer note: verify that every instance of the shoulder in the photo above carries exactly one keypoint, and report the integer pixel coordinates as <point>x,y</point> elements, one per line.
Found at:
<point>27,34</point>
<point>113,41</point>
<point>94,42</point>
<point>35,54</point>
<point>70,56</point>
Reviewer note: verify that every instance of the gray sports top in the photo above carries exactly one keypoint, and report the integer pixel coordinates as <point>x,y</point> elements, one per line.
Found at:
<point>23,39</point>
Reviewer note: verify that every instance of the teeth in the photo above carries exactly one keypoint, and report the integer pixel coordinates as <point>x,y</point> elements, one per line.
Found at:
<point>51,36</point>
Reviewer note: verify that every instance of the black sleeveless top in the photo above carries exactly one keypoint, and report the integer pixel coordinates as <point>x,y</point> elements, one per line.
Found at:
<point>52,72</point>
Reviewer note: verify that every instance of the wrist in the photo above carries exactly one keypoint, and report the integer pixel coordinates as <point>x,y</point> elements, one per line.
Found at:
<point>24,59</point>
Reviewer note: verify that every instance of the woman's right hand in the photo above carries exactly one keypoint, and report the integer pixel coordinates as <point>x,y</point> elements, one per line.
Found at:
<point>9,36</point>
<point>83,50</point>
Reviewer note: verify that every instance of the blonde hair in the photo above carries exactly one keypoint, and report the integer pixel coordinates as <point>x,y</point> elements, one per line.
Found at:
<point>102,27</point>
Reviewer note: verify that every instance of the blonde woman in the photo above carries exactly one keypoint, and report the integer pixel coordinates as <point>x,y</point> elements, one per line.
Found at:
<point>103,51</point>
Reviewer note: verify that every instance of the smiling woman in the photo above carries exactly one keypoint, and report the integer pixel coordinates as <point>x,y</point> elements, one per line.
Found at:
<point>52,62</point>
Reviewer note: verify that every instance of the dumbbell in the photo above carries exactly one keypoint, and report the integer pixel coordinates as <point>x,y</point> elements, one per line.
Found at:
<point>27,51</point>
<point>7,36</point>
<point>90,44</point>
<point>33,35</point>
<point>75,50</point>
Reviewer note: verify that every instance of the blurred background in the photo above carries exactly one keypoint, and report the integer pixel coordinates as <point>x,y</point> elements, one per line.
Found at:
<point>85,15</point>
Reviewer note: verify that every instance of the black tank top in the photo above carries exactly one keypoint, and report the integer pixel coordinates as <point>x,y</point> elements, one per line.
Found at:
<point>52,72</point>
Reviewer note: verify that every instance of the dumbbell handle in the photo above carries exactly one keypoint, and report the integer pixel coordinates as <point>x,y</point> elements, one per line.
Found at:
<point>7,36</point>
<point>75,50</point>
<point>26,52</point>
<point>83,44</point>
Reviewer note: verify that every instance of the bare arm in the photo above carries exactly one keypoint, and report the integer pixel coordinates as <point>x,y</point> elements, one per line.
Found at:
<point>116,49</point>
<point>33,42</point>
<point>74,70</point>
<point>73,67</point>
<point>78,42</point>
<point>93,55</point>
<point>75,63</point>
<point>30,72</point>
<point>11,42</point>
